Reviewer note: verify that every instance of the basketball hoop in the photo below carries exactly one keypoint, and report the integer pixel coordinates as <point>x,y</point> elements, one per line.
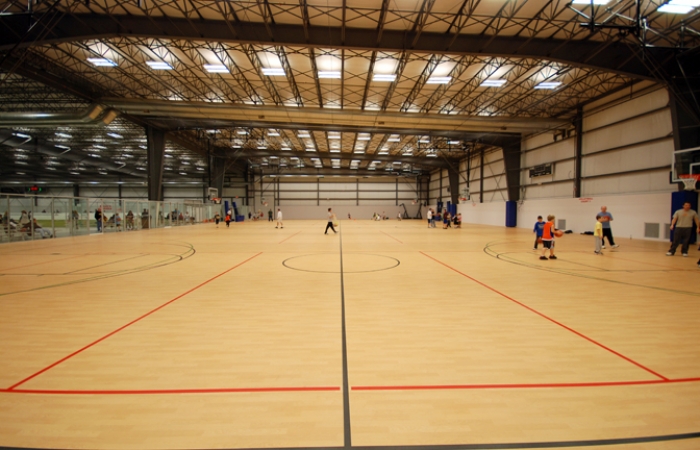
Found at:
<point>216,200</point>
<point>690,181</point>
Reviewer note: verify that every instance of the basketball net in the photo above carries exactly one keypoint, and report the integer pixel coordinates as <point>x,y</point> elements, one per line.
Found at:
<point>690,181</point>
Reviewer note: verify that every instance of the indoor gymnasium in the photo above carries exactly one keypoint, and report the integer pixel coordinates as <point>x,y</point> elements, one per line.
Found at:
<point>400,224</point>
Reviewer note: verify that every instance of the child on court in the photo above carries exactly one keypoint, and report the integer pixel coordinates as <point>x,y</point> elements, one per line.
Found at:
<point>539,227</point>
<point>217,218</point>
<point>228,220</point>
<point>598,233</point>
<point>548,238</point>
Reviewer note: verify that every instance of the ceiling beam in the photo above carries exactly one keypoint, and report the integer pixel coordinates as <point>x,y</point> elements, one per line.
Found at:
<point>326,119</point>
<point>616,56</point>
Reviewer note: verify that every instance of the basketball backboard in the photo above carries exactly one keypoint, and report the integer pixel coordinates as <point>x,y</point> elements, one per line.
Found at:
<point>686,164</point>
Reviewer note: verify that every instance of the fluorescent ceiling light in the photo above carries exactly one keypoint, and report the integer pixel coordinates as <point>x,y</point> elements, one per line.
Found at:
<point>383,152</point>
<point>394,139</point>
<point>334,137</point>
<point>431,155</point>
<point>262,147</point>
<point>335,151</point>
<point>588,2</point>
<point>693,3</point>
<point>438,80</point>
<point>273,133</point>
<point>364,138</point>
<point>241,132</point>
<point>285,148</point>
<point>304,134</point>
<point>63,147</point>
<point>454,142</point>
<point>548,85</point>
<point>384,77</point>
<point>101,147</point>
<point>159,65</point>
<point>216,68</point>
<point>273,71</point>
<point>493,83</point>
<point>329,74</point>
<point>94,155</point>
<point>64,135</point>
<point>183,173</point>
<point>674,8</point>
<point>115,135</point>
<point>22,135</point>
<point>102,62</point>
<point>20,173</point>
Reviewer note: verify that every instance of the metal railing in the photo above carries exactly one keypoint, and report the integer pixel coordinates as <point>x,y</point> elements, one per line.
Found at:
<point>30,217</point>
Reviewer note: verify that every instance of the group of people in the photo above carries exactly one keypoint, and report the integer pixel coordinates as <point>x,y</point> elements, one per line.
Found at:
<point>684,222</point>
<point>447,219</point>
<point>25,225</point>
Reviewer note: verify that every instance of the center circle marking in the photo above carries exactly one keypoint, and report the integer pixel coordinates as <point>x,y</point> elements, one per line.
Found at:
<point>352,263</point>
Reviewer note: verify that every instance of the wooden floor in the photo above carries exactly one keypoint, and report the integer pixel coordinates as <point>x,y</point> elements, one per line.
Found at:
<point>384,335</point>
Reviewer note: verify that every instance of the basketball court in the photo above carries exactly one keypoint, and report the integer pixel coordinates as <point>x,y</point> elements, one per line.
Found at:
<point>388,334</point>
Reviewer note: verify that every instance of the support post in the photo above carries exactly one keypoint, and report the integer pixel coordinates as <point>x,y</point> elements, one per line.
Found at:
<point>511,160</point>
<point>453,178</point>
<point>217,173</point>
<point>481,176</point>
<point>578,152</point>
<point>156,154</point>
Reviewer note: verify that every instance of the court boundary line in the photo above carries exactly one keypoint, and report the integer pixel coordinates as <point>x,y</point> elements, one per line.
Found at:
<point>630,360</point>
<point>391,237</point>
<point>65,358</point>
<point>525,385</point>
<point>170,391</point>
<point>289,237</point>
<point>347,429</point>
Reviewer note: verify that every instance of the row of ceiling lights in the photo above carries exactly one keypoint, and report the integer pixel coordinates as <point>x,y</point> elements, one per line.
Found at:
<point>671,7</point>
<point>274,72</point>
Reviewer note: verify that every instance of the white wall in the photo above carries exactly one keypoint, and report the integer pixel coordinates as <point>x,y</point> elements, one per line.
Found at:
<point>306,212</point>
<point>630,212</point>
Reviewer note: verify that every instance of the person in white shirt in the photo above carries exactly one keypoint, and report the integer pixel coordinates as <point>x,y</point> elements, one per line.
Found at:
<point>331,218</point>
<point>430,217</point>
<point>279,219</point>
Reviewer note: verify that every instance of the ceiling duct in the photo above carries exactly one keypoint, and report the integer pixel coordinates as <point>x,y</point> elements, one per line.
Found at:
<point>94,115</point>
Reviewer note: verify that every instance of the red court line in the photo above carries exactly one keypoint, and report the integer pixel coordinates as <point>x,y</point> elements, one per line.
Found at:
<point>290,237</point>
<point>127,325</point>
<point>551,320</point>
<point>393,238</point>
<point>171,391</point>
<point>520,385</point>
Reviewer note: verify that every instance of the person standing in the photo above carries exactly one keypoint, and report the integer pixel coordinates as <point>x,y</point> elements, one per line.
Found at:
<point>331,218</point>
<point>548,238</point>
<point>269,215</point>
<point>280,224</point>
<point>217,218</point>
<point>684,218</point>
<point>430,217</point>
<point>98,218</point>
<point>598,233</point>
<point>538,229</point>
<point>607,231</point>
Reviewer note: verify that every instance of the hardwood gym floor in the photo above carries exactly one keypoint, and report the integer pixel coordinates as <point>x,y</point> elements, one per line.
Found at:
<point>386,334</point>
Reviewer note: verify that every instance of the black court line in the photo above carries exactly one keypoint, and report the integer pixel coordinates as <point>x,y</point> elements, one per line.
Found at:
<point>491,446</point>
<point>347,439</point>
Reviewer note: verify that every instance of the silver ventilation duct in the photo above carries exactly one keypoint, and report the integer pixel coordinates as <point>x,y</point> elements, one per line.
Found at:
<point>95,115</point>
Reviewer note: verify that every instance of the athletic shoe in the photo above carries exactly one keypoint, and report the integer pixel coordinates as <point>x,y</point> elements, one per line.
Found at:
<point>535,249</point>
<point>615,246</point>
<point>685,255</point>
<point>669,254</point>
<point>598,253</point>
<point>602,247</point>
<point>543,257</point>
<point>552,257</point>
